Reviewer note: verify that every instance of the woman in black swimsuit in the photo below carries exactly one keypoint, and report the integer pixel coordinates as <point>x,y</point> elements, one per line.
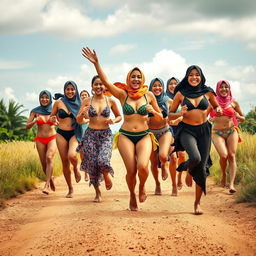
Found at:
<point>194,132</point>
<point>69,132</point>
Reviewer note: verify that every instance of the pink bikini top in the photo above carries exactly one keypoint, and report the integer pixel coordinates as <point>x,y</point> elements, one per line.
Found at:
<point>230,112</point>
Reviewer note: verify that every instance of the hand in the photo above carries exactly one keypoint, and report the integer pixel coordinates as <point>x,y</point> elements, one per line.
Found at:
<point>183,110</point>
<point>109,121</point>
<point>218,111</point>
<point>85,111</point>
<point>90,55</point>
<point>149,108</point>
<point>53,119</point>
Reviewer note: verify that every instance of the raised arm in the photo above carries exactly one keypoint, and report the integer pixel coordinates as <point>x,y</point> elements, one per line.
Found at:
<point>82,116</point>
<point>92,57</point>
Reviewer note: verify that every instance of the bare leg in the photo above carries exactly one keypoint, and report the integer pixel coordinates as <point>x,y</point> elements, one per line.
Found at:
<point>220,145</point>
<point>108,182</point>
<point>164,148</point>
<point>232,142</point>
<point>189,179</point>
<point>143,150</point>
<point>197,208</point>
<point>86,178</point>
<point>97,198</point>
<point>127,151</point>
<point>63,145</point>
<point>172,169</point>
<point>154,170</point>
<point>72,157</point>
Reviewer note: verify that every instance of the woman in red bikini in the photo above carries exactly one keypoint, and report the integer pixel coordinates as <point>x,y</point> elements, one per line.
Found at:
<point>225,133</point>
<point>45,139</point>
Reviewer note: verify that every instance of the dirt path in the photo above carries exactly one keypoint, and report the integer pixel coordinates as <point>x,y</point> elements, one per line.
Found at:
<point>36,224</point>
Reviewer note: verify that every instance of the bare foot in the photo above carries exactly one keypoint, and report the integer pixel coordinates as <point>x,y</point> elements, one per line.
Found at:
<point>108,181</point>
<point>232,190</point>
<point>70,194</point>
<point>142,194</point>
<point>97,199</point>
<point>46,190</point>
<point>158,190</point>
<point>86,178</point>
<point>179,185</point>
<point>133,203</point>
<point>77,175</point>
<point>189,180</point>
<point>174,191</point>
<point>52,185</point>
<point>198,210</point>
<point>223,182</point>
<point>164,171</point>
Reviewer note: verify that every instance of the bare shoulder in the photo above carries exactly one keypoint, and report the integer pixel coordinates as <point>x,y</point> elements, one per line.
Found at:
<point>150,95</point>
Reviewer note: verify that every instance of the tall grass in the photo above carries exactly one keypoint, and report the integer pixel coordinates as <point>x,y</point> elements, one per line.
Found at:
<point>20,168</point>
<point>246,168</point>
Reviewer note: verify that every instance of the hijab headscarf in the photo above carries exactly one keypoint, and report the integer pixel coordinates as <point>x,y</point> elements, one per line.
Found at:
<point>44,110</point>
<point>168,93</point>
<point>162,98</point>
<point>133,93</point>
<point>223,101</point>
<point>73,105</point>
<point>193,91</point>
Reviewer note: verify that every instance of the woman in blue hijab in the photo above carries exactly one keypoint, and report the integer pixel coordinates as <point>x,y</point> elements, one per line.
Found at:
<point>160,128</point>
<point>45,137</point>
<point>69,132</point>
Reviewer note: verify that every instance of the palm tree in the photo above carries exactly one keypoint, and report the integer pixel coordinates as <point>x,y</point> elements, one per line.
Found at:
<point>12,120</point>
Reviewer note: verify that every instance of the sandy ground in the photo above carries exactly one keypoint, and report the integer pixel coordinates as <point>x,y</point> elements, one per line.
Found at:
<point>37,224</point>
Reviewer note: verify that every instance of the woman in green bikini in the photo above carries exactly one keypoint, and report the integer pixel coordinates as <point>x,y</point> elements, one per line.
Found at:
<point>134,140</point>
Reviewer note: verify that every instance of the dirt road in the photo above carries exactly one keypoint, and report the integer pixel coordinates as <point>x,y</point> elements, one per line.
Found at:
<point>37,224</point>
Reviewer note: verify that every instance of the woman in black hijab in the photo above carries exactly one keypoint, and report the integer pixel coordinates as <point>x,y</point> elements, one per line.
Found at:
<point>194,132</point>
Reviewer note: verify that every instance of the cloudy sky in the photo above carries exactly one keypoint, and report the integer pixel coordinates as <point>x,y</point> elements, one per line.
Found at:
<point>41,43</point>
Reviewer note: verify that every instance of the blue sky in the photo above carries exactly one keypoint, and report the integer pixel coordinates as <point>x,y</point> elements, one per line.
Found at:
<point>41,43</point>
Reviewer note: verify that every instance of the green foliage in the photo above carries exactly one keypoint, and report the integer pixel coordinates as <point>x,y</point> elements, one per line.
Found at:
<point>13,122</point>
<point>249,125</point>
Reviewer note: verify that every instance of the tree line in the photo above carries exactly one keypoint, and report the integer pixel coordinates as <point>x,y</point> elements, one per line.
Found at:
<point>13,122</point>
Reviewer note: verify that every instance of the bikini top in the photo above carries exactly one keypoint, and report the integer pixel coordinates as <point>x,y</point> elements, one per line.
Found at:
<point>105,112</point>
<point>41,122</point>
<point>63,114</point>
<point>203,104</point>
<point>129,110</point>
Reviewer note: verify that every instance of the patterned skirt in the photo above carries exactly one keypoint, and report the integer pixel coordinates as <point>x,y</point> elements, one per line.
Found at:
<point>96,147</point>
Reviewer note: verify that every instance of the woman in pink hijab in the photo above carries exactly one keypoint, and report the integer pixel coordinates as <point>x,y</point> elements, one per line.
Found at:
<point>225,133</point>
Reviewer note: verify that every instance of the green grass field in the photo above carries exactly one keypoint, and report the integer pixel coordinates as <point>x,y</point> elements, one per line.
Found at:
<point>246,168</point>
<point>20,168</point>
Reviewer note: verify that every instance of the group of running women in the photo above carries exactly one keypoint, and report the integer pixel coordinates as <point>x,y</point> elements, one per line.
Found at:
<point>160,126</point>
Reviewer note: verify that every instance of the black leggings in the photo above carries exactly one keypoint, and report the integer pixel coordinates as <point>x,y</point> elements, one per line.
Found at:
<point>196,140</point>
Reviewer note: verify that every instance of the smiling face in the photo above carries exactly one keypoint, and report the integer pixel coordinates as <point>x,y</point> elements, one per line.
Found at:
<point>172,84</point>
<point>98,87</point>
<point>44,100</point>
<point>70,91</point>
<point>135,79</point>
<point>224,89</point>
<point>194,78</point>
<point>157,88</point>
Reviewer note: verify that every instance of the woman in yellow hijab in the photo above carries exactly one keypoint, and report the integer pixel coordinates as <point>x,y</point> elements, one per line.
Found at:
<point>134,140</point>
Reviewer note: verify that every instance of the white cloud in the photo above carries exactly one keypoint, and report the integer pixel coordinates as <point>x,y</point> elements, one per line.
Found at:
<point>121,49</point>
<point>8,94</point>
<point>31,96</point>
<point>69,20</point>
<point>220,63</point>
<point>7,64</point>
